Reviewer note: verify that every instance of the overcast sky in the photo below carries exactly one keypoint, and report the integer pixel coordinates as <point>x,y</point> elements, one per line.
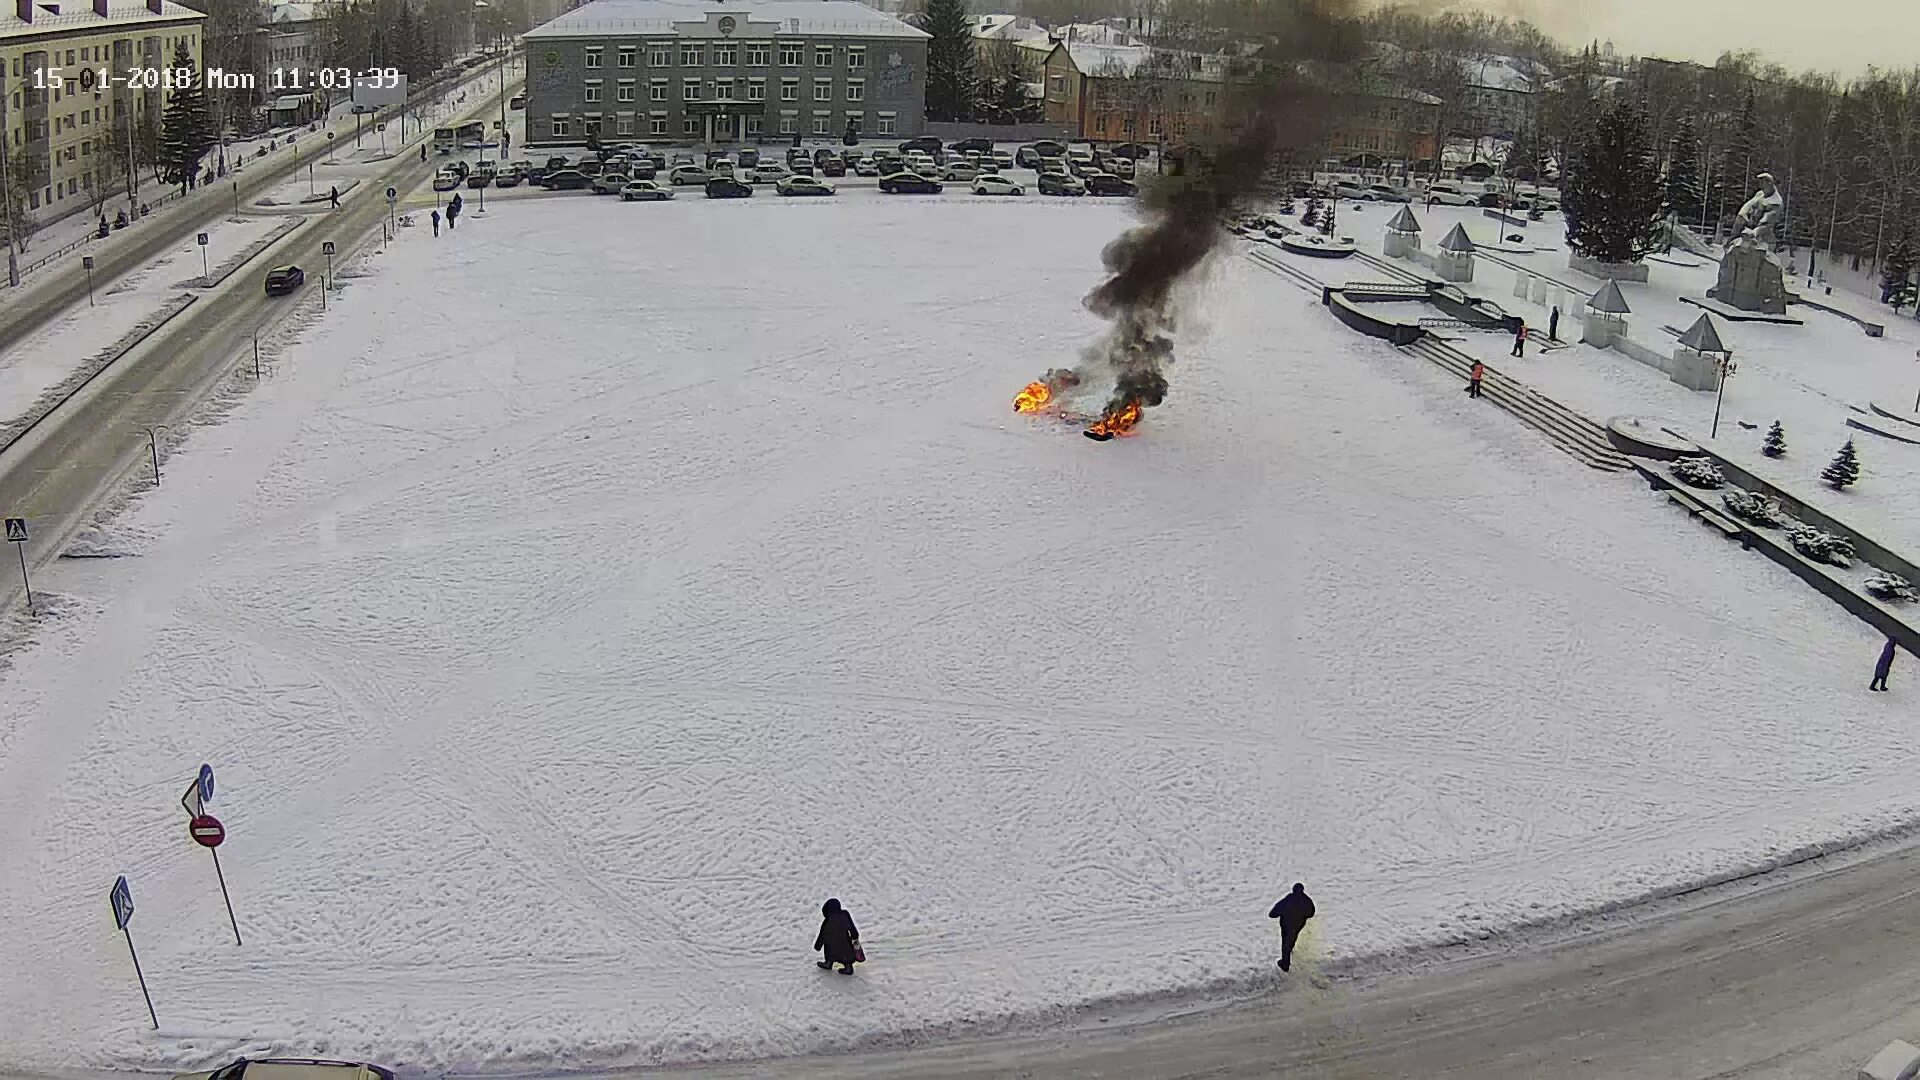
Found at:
<point>1832,35</point>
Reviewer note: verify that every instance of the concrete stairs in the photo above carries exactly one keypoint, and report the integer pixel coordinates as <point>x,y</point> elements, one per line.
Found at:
<point>1568,430</point>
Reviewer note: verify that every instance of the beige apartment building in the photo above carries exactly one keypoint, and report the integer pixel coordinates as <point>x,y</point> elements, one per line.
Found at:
<point>74,83</point>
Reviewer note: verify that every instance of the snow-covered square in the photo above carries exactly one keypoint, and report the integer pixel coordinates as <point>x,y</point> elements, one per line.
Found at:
<point>599,587</point>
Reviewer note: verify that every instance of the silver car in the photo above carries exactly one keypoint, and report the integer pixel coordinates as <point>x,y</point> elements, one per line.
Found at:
<point>290,1069</point>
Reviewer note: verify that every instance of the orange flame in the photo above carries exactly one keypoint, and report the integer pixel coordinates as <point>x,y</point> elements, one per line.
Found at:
<point>1117,422</point>
<point>1034,398</point>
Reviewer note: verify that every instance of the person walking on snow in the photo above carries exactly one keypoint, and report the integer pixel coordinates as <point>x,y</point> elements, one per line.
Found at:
<point>436,223</point>
<point>1520,340</point>
<point>1882,667</point>
<point>333,196</point>
<point>839,939</point>
<point>1553,324</point>
<point>1293,911</point>
<point>1474,374</point>
<point>423,151</point>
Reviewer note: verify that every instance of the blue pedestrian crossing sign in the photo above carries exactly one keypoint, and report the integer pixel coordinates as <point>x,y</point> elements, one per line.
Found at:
<point>16,530</point>
<point>122,900</point>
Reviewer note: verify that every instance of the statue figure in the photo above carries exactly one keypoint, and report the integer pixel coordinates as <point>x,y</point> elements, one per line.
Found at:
<point>1761,215</point>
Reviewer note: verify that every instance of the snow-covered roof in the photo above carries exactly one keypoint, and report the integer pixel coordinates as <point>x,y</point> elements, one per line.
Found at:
<point>1701,337</point>
<point>51,17</point>
<point>1457,240</point>
<point>1609,300</point>
<point>1404,221</point>
<point>1109,61</point>
<point>292,13</point>
<point>1502,73</point>
<point>1015,28</point>
<point>613,18</point>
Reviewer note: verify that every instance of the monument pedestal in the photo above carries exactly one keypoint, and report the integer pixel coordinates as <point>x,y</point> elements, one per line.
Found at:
<point>1751,280</point>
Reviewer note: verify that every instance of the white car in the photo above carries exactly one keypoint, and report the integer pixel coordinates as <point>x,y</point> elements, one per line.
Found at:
<point>1002,160</point>
<point>866,167</point>
<point>995,184</point>
<point>688,174</point>
<point>1347,189</point>
<point>960,171</point>
<point>290,1069</point>
<point>767,172</point>
<point>1448,195</point>
<point>644,191</point>
<point>924,165</point>
<point>803,185</point>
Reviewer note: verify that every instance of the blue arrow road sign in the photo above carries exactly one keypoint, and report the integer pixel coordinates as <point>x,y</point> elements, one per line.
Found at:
<point>122,899</point>
<point>206,783</point>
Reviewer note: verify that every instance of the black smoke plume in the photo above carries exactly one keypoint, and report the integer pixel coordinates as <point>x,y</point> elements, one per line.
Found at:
<point>1277,109</point>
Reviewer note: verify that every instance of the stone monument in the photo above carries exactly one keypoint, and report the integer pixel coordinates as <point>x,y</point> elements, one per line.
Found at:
<point>1750,277</point>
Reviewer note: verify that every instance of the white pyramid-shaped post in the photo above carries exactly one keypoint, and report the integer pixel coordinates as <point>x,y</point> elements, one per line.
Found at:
<point>1403,235</point>
<point>1700,358</point>
<point>1606,316</point>
<point>1454,260</point>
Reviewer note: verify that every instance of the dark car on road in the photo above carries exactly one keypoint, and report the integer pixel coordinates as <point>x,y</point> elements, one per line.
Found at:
<point>906,183</point>
<point>566,180</point>
<point>1059,183</point>
<point>726,187</point>
<point>984,146</point>
<point>1100,183</point>
<point>926,143</point>
<point>282,280</point>
<point>1132,151</point>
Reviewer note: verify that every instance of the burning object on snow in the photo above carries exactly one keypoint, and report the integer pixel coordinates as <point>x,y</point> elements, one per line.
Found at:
<point>1045,391</point>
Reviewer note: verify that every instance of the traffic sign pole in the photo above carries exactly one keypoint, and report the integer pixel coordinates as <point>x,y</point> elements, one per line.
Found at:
<point>121,899</point>
<point>17,536</point>
<point>207,831</point>
<point>87,262</point>
<point>235,923</point>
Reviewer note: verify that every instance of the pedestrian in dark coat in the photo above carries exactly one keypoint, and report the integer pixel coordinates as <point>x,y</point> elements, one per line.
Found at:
<point>1882,667</point>
<point>453,210</point>
<point>436,223</point>
<point>838,939</point>
<point>1553,324</point>
<point>333,196</point>
<point>1520,340</point>
<point>1293,911</point>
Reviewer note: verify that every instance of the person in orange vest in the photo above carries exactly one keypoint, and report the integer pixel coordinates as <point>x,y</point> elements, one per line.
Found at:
<point>1520,340</point>
<point>1474,375</point>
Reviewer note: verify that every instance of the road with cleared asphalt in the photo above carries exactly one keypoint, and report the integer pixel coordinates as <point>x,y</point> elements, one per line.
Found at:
<point>1797,975</point>
<point>58,472</point>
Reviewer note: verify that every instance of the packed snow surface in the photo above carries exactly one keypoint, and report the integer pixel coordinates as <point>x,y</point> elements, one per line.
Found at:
<point>602,586</point>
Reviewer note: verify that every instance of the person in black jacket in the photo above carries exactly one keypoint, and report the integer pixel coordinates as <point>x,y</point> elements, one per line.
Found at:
<point>838,938</point>
<point>1293,911</point>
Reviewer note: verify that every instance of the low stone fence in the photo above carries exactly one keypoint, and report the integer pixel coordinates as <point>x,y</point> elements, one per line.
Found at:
<point>1003,133</point>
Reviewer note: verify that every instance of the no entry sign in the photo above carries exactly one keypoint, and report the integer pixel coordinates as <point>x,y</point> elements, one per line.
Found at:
<point>207,830</point>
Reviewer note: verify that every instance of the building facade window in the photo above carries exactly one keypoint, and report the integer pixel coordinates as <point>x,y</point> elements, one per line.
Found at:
<point>592,92</point>
<point>562,127</point>
<point>789,125</point>
<point>823,89</point>
<point>856,89</point>
<point>623,126</point>
<point>823,56</point>
<point>759,54</point>
<point>628,57</point>
<point>657,124</point>
<point>856,120</point>
<point>689,89</point>
<point>856,57</point>
<point>689,56</point>
<point>755,125</point>
<point>659,56</point>
<point>593,57</point>
<point>822,125</point>
<point>726,55</point>
<point>756,89</point>
<point>789,89</point>
<point>657,90</point>
<point>884,125</point>
<point>626,91</point>
<point>690,126</point>
<point>592,127</point>
<point>723,90</point>
<point>790,53</point>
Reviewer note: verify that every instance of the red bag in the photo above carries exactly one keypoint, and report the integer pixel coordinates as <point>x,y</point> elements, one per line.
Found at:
<point>859,954</point>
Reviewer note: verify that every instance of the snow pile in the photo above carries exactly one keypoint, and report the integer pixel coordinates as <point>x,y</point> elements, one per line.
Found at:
<point>565,621</point>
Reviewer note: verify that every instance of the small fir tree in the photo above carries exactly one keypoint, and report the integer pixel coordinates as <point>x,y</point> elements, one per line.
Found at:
<point>1612,194</point>
<point>1326,219</point>
<point>186,127</point>
<point>1896,276</point>
<point>1776,444</point>
<point>1311,218</point>
<point>1844,470</point>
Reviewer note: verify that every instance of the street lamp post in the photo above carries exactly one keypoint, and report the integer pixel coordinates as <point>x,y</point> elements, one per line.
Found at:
<point>1727,368</point>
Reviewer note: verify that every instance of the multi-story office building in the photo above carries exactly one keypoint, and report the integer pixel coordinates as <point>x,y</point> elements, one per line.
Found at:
<point>713,71</point>
<point>74,84</point>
